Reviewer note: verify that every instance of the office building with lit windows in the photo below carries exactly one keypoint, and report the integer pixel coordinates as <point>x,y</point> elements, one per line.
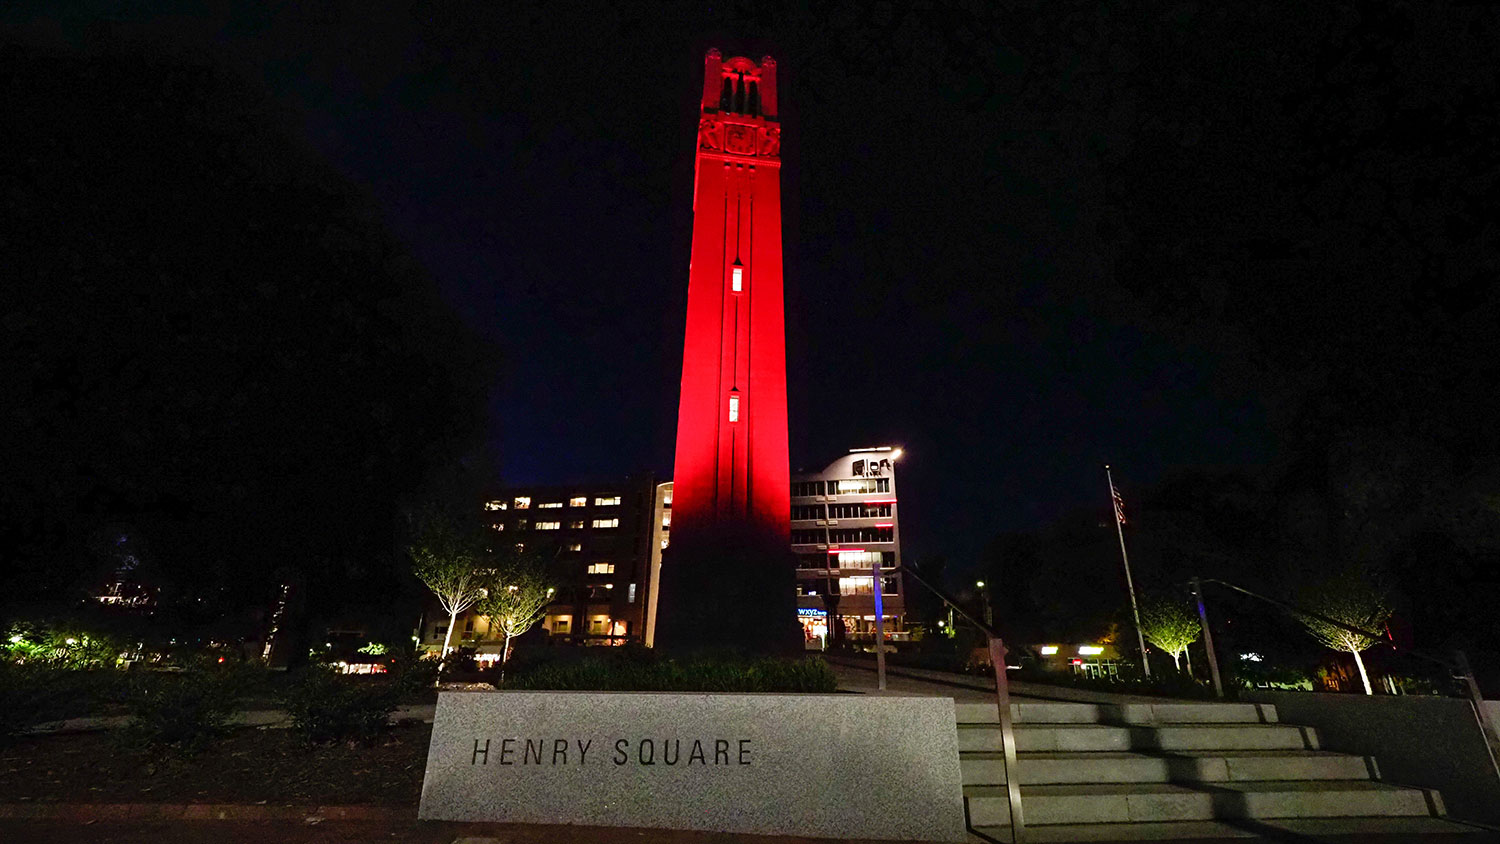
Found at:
<point>599,537</point>
<point>844,520</point>
<point>845,523</point>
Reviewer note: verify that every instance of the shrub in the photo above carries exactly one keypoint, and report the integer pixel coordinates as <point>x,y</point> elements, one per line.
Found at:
<point>694,675</point>
<point>327,707</point>
<point>1168,684</point>
<point>59,646</point>
<point>186,711</point>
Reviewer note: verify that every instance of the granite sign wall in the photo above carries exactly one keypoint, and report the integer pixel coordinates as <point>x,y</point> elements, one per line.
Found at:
<point>848,766</point>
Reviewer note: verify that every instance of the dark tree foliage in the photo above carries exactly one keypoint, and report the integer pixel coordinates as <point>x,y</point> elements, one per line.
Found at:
<point>210,343</point>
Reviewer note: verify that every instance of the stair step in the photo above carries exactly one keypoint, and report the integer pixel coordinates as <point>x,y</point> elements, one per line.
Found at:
<point>1268,828</point>
<point>1105,803</point>
<point>1127,713</point>
<point>987,767</point>
<point>1101,737</point>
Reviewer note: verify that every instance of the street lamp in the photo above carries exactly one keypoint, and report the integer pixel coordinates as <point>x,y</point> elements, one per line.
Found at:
<point>989,611</point>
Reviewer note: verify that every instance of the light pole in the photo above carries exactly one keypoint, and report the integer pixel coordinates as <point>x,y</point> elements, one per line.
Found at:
<point>984,595</point>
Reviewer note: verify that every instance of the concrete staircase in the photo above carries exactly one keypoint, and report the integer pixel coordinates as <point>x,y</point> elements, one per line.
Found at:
<point>1156,771</point>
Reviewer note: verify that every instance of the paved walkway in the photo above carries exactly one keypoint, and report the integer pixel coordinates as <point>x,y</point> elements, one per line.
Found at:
<point>854,677</point>
<point>412,831</point>
<point>927,681</point>
<point>361,832</point>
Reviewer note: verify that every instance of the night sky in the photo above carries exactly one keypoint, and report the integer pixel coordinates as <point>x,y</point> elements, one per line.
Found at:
<point>944,287</point>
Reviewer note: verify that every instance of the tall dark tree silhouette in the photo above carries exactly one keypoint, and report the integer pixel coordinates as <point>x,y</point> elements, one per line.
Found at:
<point>210,340</point>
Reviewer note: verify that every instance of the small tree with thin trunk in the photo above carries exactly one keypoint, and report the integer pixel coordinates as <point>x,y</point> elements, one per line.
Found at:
<point>1353,599</point>
<point>516,596</point>
<point>446,556</point>
<point>1170,624</point>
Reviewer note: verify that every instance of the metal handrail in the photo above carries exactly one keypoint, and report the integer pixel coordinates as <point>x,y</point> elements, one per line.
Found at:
<point>998,654</point>
<point>1458,663</point>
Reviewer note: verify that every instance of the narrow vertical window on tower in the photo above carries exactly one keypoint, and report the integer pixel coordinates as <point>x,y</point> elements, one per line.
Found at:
<point>734,407</point>
<point>737,282</point>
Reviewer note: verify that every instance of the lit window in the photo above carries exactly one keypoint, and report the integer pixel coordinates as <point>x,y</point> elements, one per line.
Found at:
<point>631,597</point>
<point>573,546</point>
<point>520,524</point>
<point>1090,650</point>
<point>734,408</point>
<point>601,568</point>
<point>498,526</point>
<point>737,282</point>
<point>1049,650</point>
<point>607,501</point>
<point>598,624</point>
<point>606,523</point>
<point>856,586</point>
<point>547,505</point>
<point>523,501</point>
<point>548,525</point>
<point>666,519</point>
<point>575,524</point>
<point>559,624</point>
<point>494,505</point>
<point>859,559</point>
<point>664,542</point>
<point>578,501</point>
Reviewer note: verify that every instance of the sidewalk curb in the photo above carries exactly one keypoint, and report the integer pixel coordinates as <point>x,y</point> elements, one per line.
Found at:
<point>92,812</point>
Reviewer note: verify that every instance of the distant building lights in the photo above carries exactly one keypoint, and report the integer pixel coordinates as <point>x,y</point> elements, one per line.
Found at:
<point>1049,650</point>
<point>886,524</point>
<point>1251,657</point>
<point>1090,650</point>
<point>875,448</point>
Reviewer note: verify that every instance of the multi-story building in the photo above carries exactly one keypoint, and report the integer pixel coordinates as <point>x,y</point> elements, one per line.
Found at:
<point>844,521</point>
<point>845,528</point>
<point>599,538</point>
<point>661,537</point>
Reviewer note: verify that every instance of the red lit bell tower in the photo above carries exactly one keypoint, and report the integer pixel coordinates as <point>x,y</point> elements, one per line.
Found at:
<point>728,578</point>
<point>731,422</point>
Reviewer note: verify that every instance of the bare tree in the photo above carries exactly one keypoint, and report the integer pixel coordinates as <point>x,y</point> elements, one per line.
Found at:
<point>1355,599</point>
<point>1170,624</point>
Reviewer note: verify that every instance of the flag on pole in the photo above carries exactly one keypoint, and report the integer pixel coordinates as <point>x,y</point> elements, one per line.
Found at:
<point>1119,502</point>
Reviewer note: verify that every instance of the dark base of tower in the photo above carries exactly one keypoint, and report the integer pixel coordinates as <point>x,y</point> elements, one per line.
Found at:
<point>728,589</point>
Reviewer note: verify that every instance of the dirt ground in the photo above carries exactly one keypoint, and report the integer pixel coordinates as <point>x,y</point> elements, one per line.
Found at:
<point>250,766</point>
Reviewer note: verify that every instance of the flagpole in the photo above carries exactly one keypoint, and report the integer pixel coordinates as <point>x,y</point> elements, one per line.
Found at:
<point>1135,610</point>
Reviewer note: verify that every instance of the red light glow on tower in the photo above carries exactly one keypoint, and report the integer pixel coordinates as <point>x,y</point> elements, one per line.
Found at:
<point>728,578</point>
<point>731,466</point>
